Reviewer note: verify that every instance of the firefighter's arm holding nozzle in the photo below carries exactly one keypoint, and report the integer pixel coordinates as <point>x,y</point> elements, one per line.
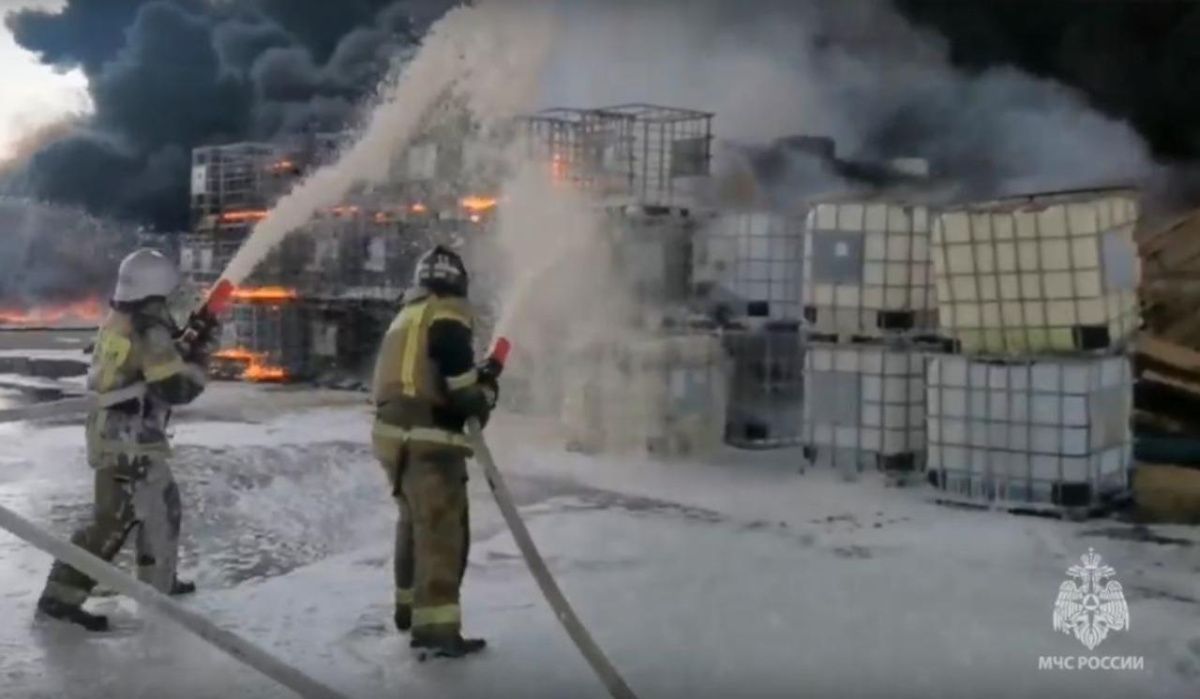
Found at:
<point>177,361</point>
<point>472,390</point>
<point>175,373</point>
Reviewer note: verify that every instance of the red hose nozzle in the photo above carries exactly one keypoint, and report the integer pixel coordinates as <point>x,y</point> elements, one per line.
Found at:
<point>219,298</point>
<point>500,351</point>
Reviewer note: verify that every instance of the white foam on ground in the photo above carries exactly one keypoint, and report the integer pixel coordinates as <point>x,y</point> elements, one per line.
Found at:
<point>733,577</point>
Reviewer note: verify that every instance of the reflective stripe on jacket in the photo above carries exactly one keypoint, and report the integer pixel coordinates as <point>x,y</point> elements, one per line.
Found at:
<point>410,388</point>
<point>126,354</point>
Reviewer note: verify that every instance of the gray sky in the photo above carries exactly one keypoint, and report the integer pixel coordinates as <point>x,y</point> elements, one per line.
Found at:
<point>32,94</point>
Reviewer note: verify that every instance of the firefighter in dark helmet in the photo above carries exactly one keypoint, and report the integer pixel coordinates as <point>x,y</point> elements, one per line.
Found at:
<point>426,386</point>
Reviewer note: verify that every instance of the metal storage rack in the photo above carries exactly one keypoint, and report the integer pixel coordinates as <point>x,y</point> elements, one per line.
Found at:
<point>642,153</point>
<point>766,398</point>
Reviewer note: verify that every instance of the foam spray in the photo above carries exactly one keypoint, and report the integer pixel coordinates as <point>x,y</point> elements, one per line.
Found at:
<point>489,55</point>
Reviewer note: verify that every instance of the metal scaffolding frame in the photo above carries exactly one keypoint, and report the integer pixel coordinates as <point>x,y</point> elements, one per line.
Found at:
<point>228,181</point>
<point>767,388</point>
<point>638,152</point>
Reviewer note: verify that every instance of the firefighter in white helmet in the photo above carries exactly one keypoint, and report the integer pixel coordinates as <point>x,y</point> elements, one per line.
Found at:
<point>140,369</point>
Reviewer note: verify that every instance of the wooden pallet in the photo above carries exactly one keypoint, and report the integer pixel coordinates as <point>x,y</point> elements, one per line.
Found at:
<point>759,438</point>
<point>1096,510</point>
<point>929,343</point>
<point>1100,505</point>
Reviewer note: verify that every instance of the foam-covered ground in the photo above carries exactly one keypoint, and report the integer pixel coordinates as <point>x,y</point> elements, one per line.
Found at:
<point>733,577</point>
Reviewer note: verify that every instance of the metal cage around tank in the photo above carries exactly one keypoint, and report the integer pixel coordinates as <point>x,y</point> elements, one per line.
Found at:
<point>766,394</point>
<point>636,152</point>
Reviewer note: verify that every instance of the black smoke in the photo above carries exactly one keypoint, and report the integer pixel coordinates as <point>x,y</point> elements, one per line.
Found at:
<point>166,76</point>
<point>1134,60</point>
<point>54,253</point>
<point>1023,77</point>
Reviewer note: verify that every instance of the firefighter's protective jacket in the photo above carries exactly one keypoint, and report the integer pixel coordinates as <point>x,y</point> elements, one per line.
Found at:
<point>426,384</point>
<point>135,350</point>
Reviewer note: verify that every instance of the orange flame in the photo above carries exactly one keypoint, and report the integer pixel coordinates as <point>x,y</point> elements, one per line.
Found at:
<point>257,370</point>
<point>418,208</point>
<point>243,216</point>
<point>476,204</point>
<point>89,310</point>
<point>266,294</point>
<point>343,210</point>
<point>282,165</point>
<point>238,354</point>
<point>261,373</point>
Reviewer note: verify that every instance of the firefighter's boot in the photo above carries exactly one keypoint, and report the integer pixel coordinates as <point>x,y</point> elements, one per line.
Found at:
<point>182,587</point>
<point>454,646</point>
<point>61,611</point>
<point>403,618</point>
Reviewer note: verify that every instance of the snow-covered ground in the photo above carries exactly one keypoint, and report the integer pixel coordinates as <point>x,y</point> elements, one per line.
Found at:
<point>737,577</point>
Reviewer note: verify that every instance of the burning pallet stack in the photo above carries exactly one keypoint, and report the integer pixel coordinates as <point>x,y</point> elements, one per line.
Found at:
<point>328,290</point>
<point>233,186</point>
<point>1039,295</point>
<point>872,319</point>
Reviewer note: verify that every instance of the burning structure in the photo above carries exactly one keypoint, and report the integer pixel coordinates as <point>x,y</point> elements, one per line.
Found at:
<point>319,302</point>
<point>685,244</point>
<point>57,264</point>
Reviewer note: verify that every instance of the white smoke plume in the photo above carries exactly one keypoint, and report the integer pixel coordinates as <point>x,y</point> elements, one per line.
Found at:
<point>854,71</point>
<point>557,289</point>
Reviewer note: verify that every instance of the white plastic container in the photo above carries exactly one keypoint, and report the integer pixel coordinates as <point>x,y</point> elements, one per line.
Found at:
<point>866,406</point>
<point>665,396</point>
<point>753,260</point>
<point>1054,273</point>
<point>867,269</point>
<point>1050,432</point>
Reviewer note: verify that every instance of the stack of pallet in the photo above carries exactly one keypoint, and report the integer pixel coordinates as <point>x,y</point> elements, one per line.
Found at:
<point>1039,295</point>
<point>871,318</point>
<point>1167,368</point>
<point>1168,351</point>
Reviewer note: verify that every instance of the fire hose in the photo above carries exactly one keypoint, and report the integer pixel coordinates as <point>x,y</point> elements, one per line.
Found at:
<point>74,405</point>
<point>563,611</point>
<point>105,573</point>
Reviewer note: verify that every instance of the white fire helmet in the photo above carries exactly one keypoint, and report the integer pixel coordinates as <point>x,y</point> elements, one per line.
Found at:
<point>145,274</point>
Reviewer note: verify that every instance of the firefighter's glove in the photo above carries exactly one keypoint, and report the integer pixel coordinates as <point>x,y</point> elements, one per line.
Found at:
<point>491,393</point>
<point>200,338</point>
<point>488,371</point>
<point>208,343</point>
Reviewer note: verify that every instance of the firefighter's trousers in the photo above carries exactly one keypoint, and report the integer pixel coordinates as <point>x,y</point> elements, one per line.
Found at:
<point>133,495</point>
<point>432,535</point>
